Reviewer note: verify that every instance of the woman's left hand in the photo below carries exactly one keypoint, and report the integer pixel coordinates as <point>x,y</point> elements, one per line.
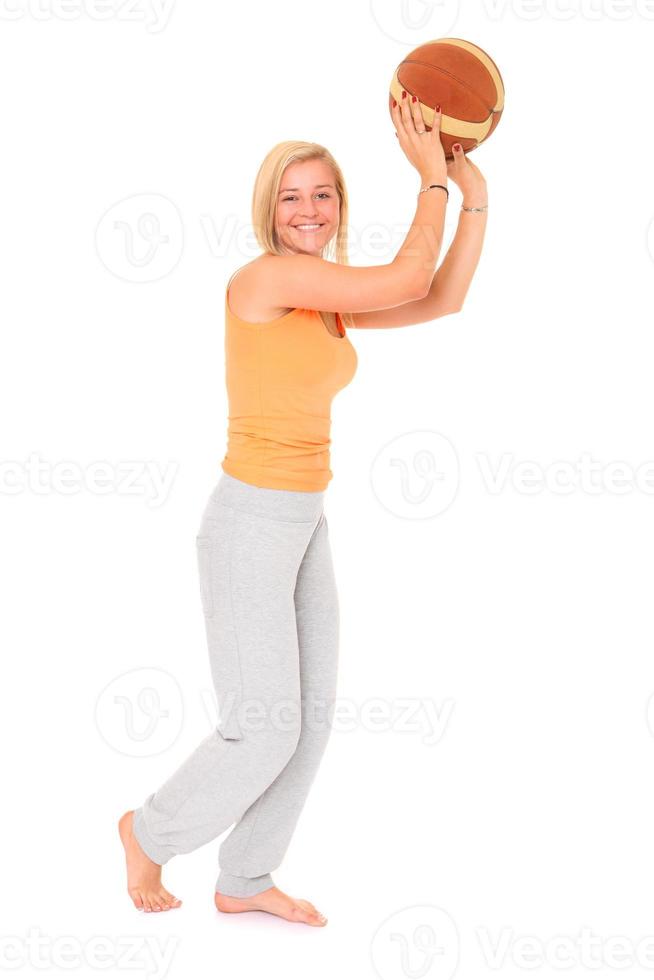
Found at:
<point>468,178</point>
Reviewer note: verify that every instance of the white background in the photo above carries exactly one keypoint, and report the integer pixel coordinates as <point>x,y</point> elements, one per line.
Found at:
<point>517,609</point>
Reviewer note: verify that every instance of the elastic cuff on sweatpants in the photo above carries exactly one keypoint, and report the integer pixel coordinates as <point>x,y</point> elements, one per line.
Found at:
<point>156,853</point>
<point>242,887</point>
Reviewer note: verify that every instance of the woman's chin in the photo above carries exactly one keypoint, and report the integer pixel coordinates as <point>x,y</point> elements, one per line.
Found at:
<point>306,249</point>
<point>307,244</point>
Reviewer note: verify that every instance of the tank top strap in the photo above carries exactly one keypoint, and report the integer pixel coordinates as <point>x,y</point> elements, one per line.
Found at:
<point>231,278</point>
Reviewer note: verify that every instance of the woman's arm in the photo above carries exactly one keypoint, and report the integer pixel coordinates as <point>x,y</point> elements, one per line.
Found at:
<point>450,283</point>
<point>452,280</point>
<point>310,282</point>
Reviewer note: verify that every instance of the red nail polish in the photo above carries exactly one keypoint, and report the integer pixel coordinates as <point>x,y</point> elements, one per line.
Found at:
<point>438,107</point>
<point>403,94</point>
<point>413,98</point>
<point>394,103</point>
<point>457,146</point>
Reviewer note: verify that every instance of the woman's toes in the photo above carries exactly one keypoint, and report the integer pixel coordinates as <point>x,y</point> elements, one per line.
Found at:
<point>138,900</point>
<point>311,909</point>
<point>303,914</point>
<point>313,915</point>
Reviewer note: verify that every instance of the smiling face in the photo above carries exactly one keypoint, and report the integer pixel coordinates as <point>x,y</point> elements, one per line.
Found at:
<point>307,198</point>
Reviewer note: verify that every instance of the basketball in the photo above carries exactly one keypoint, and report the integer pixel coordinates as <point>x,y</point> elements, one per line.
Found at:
<point>463,79</point>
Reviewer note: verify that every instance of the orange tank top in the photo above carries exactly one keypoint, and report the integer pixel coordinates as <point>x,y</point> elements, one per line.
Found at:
<point>282,376</point>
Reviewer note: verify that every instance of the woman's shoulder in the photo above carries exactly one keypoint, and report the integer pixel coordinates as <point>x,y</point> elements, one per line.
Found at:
<point>245,295</point>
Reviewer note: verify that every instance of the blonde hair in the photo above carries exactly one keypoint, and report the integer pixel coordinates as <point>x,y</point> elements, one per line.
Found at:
<point>264,204</point>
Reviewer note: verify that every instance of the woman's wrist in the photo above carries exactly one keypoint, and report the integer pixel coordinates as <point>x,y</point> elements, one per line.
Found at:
<point>474,202</point>
<point>475,197</point>
<point>433,178</point>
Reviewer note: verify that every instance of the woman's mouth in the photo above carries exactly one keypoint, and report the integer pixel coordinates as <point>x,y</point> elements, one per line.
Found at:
<point>313,227</point>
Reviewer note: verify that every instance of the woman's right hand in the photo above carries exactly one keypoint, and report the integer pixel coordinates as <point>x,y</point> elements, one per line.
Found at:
<point>426,152</point>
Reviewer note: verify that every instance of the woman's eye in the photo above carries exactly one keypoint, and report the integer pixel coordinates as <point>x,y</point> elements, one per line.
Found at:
<point>292,198</point>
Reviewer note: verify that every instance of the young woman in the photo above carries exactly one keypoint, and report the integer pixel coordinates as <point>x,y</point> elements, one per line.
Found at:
<point>267,582</point>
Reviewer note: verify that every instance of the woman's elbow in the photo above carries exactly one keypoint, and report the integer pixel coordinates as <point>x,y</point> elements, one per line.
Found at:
<point>451,309</point>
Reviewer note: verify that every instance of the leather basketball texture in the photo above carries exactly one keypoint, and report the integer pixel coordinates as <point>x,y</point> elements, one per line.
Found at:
<point>466,82</point>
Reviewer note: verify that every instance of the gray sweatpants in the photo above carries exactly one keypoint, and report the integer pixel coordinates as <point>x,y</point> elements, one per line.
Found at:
<point>272,621</point>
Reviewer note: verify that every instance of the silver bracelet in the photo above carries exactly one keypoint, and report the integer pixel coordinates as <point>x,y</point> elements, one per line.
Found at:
<point>485,208</point>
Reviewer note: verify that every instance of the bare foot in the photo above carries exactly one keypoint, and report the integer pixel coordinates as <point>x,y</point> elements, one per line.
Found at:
<point>143,875</point>
<point>274,901</point>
